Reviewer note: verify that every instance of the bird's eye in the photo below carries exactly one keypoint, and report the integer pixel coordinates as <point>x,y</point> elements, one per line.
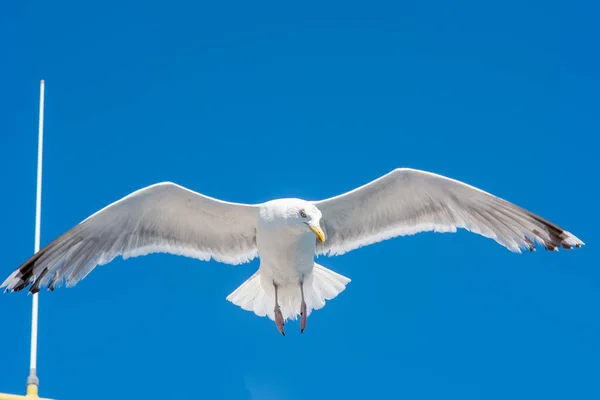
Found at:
<point>303,213</point>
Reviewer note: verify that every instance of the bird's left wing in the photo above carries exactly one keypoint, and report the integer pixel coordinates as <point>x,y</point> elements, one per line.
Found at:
<point>164,217</point>
<point>408,201</point>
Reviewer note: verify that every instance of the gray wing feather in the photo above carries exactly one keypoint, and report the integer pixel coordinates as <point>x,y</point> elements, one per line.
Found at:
<point>408,201</point>
<point>165,218</point>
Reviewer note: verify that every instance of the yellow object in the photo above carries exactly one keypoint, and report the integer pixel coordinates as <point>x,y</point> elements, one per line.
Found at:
<point>32,394</point>
<point>32,390</point>
<point>6,396</point>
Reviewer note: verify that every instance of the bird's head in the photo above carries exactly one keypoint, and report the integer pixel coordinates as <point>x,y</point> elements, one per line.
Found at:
<point>298,215</point>
<point>306,216</point>
<point>311,217</point>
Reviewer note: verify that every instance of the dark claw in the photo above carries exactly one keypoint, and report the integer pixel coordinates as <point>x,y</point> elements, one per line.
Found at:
<point>302,316</point>
<point>279,320</point>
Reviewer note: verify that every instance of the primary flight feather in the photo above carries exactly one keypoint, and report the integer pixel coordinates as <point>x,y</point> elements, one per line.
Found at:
<point>286,234</point>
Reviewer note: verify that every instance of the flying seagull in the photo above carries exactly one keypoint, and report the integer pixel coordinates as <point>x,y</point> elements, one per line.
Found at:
<point>286,234</point>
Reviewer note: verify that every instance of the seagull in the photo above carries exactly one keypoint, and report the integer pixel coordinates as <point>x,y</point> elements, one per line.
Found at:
<point>287,235</point>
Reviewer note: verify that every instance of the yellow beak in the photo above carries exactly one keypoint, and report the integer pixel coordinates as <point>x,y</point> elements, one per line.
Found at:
<point>319,232</point>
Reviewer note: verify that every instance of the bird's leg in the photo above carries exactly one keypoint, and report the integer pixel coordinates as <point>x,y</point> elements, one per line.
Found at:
<point>302,309</point>
<point>278,315</point>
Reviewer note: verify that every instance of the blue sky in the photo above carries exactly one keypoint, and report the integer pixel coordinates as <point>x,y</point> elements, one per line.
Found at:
<point>252,102</point>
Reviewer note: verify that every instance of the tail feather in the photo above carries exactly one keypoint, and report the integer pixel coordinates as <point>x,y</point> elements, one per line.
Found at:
<point>323,284</point>
<point>328,284</point>
<point>250,296</point>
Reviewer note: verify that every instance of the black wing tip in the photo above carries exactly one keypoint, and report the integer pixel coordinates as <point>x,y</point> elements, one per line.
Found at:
<point>563,240</point>
<point>24,276</point>
<point>556,237</point>
<point>34,287</point>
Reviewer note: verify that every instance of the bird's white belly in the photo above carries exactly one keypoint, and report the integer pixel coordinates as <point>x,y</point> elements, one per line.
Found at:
<point>285,260</point>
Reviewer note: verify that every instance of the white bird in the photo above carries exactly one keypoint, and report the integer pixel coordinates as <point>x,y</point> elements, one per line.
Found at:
<point>287,234</point>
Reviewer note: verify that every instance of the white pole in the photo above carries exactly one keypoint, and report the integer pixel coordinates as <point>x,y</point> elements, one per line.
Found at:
<point>32,380</point>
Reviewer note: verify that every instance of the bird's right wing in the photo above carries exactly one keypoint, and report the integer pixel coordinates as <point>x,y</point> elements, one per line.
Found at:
<point>164,217</point>
<point>408,201</point>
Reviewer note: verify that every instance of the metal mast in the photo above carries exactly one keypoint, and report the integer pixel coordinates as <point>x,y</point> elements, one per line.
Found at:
<point>33,381</point>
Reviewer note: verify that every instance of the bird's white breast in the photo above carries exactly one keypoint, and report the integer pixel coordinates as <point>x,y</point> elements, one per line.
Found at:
<point>286,250</point>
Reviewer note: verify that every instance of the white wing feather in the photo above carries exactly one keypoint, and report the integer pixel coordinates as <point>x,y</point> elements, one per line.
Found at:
<point>408,201</point>
<point>164,217</point>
